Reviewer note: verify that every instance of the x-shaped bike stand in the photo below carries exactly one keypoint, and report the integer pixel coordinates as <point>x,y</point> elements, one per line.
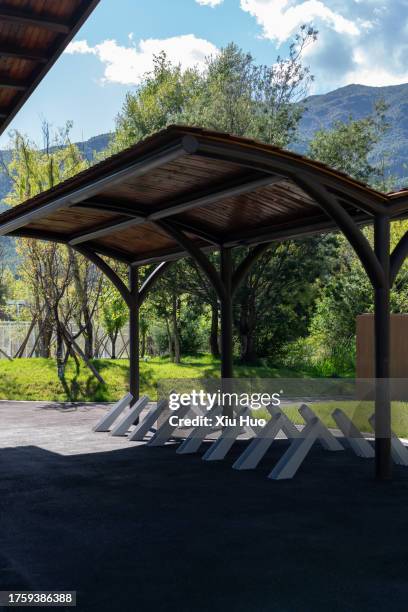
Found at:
<point>134,413</point>
<point>314,430</point>
<point>399,452</point>
<point>108,419</point>
<point>223,444</point>
<point>360,446</point>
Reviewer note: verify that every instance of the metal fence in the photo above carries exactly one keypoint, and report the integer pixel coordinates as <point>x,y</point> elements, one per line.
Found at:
<point>13,334</point>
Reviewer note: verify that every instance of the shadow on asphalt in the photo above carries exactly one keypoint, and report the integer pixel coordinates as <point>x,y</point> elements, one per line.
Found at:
<point>145,529</point>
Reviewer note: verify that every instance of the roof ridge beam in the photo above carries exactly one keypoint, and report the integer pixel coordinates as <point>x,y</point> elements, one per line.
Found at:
<point>104,229</point>
<point>234,188</point>
<point>30,18</point>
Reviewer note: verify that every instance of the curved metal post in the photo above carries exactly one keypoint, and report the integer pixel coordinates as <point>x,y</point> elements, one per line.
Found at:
<point>134,299</point>
<point>349,228</point>
<point>377,266</point>
<point>152,280</point>
<point>107,270</point>
<point>225,284</point>
<point>398,257</point>
<point>222,283</point>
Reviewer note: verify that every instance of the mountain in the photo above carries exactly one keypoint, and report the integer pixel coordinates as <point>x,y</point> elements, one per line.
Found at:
<point>357,101</point>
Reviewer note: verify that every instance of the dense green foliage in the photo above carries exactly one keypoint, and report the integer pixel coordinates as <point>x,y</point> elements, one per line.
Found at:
<point>233,94</point>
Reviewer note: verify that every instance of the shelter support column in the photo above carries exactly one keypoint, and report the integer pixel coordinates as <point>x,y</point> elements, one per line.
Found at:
<point>134,383</point>
<point>383,460</point>
<point>377,265</point>
<point>226,314</point>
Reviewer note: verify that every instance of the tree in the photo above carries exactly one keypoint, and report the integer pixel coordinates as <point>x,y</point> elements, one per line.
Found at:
<point>49,269</point>
<point>275,303</point>
<point>115,314</point>
<point>348,147</point>
<point>233,94</point>
<point>164,97</point>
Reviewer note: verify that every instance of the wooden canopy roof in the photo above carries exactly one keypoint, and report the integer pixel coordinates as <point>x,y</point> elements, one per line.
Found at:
<point>33,34</point>
<point>213,188</point>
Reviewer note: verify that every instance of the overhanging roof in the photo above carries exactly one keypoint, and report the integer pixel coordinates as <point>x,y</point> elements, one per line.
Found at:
<point>33,34</point>
<point>218,189</point>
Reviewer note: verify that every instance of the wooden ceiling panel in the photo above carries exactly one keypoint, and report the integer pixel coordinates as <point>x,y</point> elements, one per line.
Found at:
<point>71,221</point>
<point>275,204</point>
<point>61,8</point>
<point>139,239</point>
<point>173,180</point>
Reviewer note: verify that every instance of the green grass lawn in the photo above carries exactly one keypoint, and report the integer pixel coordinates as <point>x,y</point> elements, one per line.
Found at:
<point>36,379</point>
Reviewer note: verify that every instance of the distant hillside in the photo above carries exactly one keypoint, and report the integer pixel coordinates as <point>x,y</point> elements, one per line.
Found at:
<point>358,101</point>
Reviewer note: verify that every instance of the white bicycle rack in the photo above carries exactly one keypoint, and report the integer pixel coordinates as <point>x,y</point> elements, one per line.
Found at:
<point>257,448</point>
<point>165,432</point>
<point>197,436</point>
<point>314,431</point>
<point>108,419</point>
<point>325,436</point>
<point>140,431</point>
<point>223,444</point>
<point>354,437</point>
<point>122,428</point>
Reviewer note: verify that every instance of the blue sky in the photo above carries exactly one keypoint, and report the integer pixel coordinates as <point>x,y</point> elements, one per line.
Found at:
<point>360,41</point>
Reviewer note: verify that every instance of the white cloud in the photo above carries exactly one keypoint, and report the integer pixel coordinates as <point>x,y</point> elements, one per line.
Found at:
<point>367,72</point>
<point>127,65</point>
<point>79,46</point>
<point>359,41</point>
<point>211,3</point>
<point>279,19</point>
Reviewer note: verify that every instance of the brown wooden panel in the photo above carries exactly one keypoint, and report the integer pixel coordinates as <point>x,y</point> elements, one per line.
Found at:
<point>57,8</point>
<point>266,205</point>
<point>71,221</point>
<point>177,179</point>
<point>365,346</point>
<point>138,240</point>
<point>7,96</point>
